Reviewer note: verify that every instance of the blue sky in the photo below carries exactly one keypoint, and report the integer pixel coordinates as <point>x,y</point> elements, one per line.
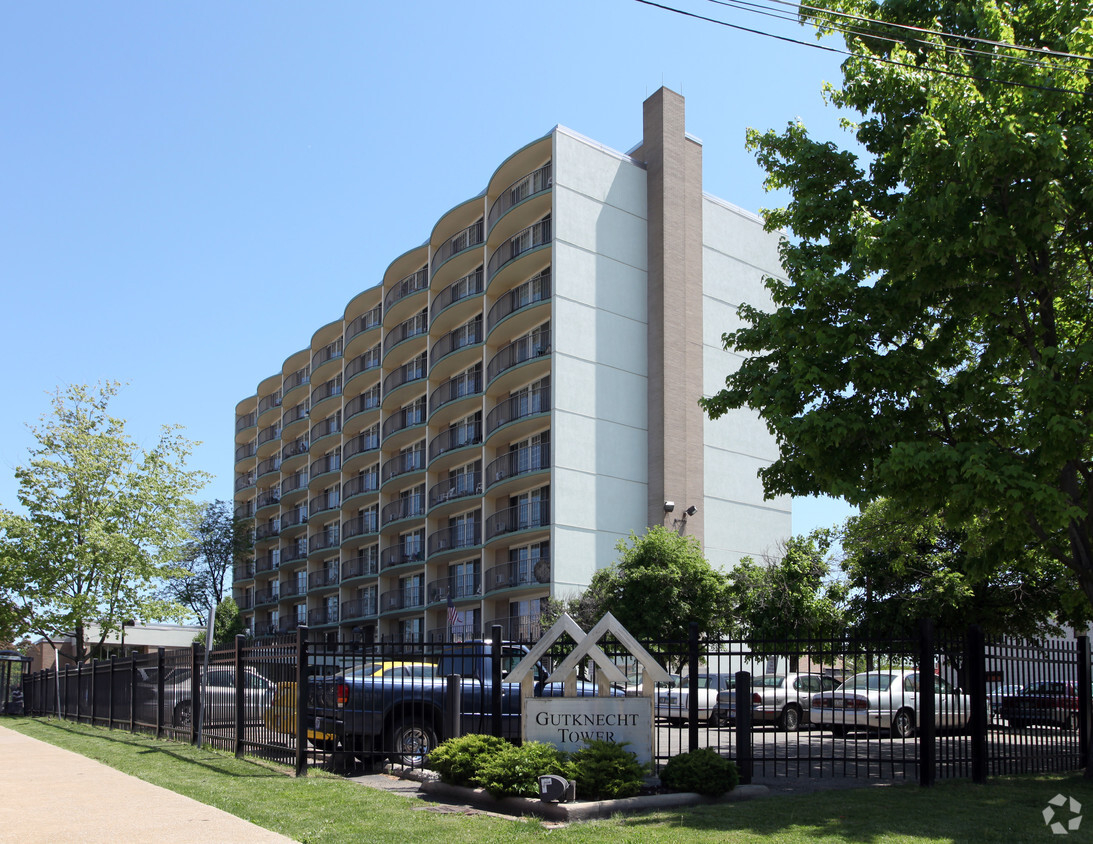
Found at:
<point>189,190</point>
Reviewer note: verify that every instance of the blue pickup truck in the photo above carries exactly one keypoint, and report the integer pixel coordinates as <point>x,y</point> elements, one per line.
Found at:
<point>402,717</point>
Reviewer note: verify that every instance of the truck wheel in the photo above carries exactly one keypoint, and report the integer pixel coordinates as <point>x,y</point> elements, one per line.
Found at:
<point>411,742</point>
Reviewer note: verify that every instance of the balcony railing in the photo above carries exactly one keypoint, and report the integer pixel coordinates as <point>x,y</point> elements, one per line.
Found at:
<point>327,353</point>
<point>270,464</point>
<point>297,379</point>
<point>331,388</point>
<point>247,420</point>
<point>407,287</point>
<point>295,447</point>
<point>329,538</point>
<point>321,503</point>
<point>404,508</point>
<point>531,292</point>
<point>266,596</point>
<point>326,463</point>
<point>295,414</point>
<point>359,608</point>
<point>462,632</point>
<point>457,586</point>
<point>294,552</point>
<point>266,562</point>
<point>322,615</point>
<point>518,407</point>
<point>532,571</point>
<point>243,571</point>
<point>399,555</point>
<point>330,425</point>
<point>470,285</point>
<point>362,363</point>
<point>468,535</point>
<point>267,531</point>
<point>269,434</point>
<point>294,587</point>
<point>461,386</point>
<point>533,514</point>
<point>245,450</point>
<point>525,188</point>
<point>415,326</point>
<point>361,525</point>
<point>293,519</point>
<point>360,566</point>
<point>365,322</point>
<point>244,510</point>
<point>519,628</point>
<point>410,461</point>
<point>369,400</point>
<point>268,498</point>
<point>522,461</point>
<point>522,242</point>
<point>456,487</point>
<point>415,370</point>
<point>289,625</point>
<point>407,417</point>
<point>361,485</point>
<point>519,351</point>
<point>245,602</point>
<point>269,402</point>
<point>367,441</point>
<point>294,482</point>
<point>458,437</point>
<point>470,237</point>
<point>405,598</point>
<point>244,481</point>
<point>320,579</point>
<point>460,338</point>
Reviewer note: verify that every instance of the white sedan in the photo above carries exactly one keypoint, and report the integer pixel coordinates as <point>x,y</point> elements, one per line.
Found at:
<point>888,700</point>
<point>674,704</point>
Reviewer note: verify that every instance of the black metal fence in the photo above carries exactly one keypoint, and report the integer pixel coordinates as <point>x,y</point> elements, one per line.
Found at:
<point>912,710</point>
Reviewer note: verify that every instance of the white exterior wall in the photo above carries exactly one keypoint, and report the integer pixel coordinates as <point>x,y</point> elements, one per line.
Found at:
<point>599,429</point>
<point>737,254</point>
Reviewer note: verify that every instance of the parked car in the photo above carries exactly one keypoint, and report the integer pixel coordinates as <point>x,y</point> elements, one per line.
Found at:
<point>1053,702</point>
<point>219,695</point>
<point>673,704</point>
<point>995,695</point>
<point>782,699</point>
<point>888,700</point>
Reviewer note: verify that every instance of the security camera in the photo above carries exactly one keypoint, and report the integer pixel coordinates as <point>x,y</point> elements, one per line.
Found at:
<point>690,511</point>
<point>669,506</point>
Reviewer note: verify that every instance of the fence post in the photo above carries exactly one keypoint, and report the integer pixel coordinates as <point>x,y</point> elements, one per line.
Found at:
<point>93,684</point>
<point>495,671</point>
<point>1083,698</point>
<point>692,686</point>
<point>161,666</point>
<point>302,678</point>
<point>976,660</point>
<point>240,695</point>
<point>110,694</point>
<point>79,692</point>
<point>927,731</point>
<point>68,682</point>
<point>744,761</point>
<point>196,701</point>
<point>453,706</point>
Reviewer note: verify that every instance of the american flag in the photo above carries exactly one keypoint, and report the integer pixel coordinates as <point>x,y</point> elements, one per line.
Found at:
<point>453,613</point>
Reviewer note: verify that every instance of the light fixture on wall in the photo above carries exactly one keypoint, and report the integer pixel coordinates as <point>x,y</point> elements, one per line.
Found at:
<point>690,511</point>
<point>669,506</point>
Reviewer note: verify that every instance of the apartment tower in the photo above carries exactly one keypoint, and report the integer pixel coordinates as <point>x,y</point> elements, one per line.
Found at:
<point>476,432</point>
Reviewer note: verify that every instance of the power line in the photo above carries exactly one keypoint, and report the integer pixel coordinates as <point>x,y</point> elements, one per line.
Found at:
<point>824,47</point>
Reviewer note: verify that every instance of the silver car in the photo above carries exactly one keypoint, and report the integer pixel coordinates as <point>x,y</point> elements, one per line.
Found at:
<point>674,704</point>
<point>219,695</point>
<point>781,699</point>
<point>888,700</point>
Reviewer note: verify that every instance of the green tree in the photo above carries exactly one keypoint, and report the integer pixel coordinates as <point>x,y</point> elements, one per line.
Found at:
<point>104,522</point>
<point>659,585</point>
<point>903,566</point>
<point>218,542</point>
<point>932,340</point>
<point>227,624</point>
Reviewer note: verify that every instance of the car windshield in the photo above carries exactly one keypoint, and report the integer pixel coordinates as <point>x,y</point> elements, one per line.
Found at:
<point>876,682</point>
<point>769,681</point>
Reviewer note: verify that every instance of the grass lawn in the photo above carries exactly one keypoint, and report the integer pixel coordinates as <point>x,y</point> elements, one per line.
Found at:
<point>326,808</point>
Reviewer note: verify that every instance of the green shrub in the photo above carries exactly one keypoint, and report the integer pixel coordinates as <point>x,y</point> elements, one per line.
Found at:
<point>605,770</point>
<point>515,771</point>
<point>702,771</point>
<point>457,759</point>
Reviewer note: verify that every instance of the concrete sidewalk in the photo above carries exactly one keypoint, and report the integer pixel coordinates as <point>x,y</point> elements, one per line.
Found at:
<point>52,796</point>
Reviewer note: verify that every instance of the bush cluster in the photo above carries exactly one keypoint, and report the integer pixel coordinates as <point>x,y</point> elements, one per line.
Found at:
<point>603,770</point>
<point>702,771</point>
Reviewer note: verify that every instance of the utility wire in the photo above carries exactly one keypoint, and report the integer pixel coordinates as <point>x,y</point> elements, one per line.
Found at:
<point>824,47</point>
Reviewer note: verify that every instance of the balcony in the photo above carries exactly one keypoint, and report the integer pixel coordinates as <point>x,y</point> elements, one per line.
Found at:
<point>243,571</point>
<point>294,552</point>
<point>329,390</point>
<point>456,537</point>
<point>294,414</point>
<point>322,579</point>
<point>330,425</point>
<point>322,615</point>
<point>408,286</point>
<point>292,588</point>
<point>468,238</point>
<point>533,571</point>
<point>531,292</point>
<point>528,516</point>
<point>359,608</point>
<point>461,436</point>
<point>268,498</point>
<point>326,463</point>
<point>266,596</point>
<point>366,401</point>
<point>294,448</point>
<point>299,378</point>
<point>267,531</point>
<point>463,337</point>
<point>321,503</point>
<point>456,586</point>
<point>405,598</point>
<point>522,189</point>
<point>455,487</point>
<point>361,485</point>
<point>465,385</point>
<point>522,461</point>
<point>244,481</point>
<point>294,483</point>
<point>404,464</point>
<point>361,444</point>
<point>415,326</point>
<point>518,407</point>
<point>412,506</point>
<point>244,510</point>
<point>324,541</point>
<point>462,632</point>
<point>269,402</point>
<point>400,555</point>
<point>247,420</point>
<point>289,625</point>
<point>533,237</point>
<point>293,519</point>
<point>415,370</point>
<point>245,602</point>
<point>269,434</point>
<point>329,352</point>
<point>363,363</point>
<point>266,562</point>
<point>360,526</point>
<point>360,566</point>
<point>408,417</point>
<point>521,350</point>
<point>519,628</point>
<point>365,322</point>
<point>245,451</point>
<point>471,285</point>
<point>269,465</point>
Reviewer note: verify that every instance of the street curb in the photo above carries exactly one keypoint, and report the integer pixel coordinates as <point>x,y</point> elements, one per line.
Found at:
<point>580,811</point>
